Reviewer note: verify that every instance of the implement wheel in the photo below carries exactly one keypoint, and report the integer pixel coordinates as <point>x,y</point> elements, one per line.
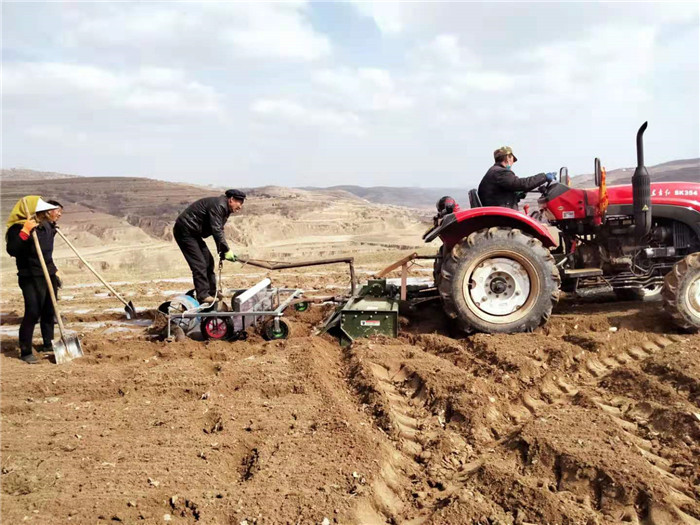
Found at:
<point>499,280</point>
<point>217,328</point>
<point>269,332</point>
<point>681,293</point>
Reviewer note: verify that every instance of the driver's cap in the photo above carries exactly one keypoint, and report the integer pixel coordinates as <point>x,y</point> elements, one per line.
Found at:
<point>504,151</point>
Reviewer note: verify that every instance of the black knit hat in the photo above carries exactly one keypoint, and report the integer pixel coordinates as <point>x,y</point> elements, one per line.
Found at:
<point>236,194</point>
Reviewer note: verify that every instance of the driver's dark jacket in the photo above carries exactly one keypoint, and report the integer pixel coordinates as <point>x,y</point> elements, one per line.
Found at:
<point>206,217</point>
<point>500,186</point>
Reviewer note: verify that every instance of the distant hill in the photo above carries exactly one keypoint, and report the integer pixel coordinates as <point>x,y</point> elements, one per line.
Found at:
<point>400,196</point>
<point>145,203</point>
<point>153,204</point>
<point>26,174</point>
<point>425,198</point>
<point>289,222</point>
<point>677,170</point>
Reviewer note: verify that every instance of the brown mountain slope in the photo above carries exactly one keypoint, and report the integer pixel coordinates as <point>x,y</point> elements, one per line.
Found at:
<point>115,221</point>
<point>145,203</point>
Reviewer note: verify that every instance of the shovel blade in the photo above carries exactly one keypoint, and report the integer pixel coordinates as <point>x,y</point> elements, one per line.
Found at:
<point>67,349</point>
<point>130,310</point>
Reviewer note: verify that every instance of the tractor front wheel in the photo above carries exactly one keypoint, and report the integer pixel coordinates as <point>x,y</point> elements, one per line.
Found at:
<point>681,293</point>
<point>499,280</point>
<point>437,266</point>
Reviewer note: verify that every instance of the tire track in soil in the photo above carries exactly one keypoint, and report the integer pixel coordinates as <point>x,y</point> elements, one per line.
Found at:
<point>386,503</point>
<point>553,390</point>
<point>408,415</point>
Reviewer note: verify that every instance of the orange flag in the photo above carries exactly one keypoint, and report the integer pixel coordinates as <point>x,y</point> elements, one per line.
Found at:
<point>602,194</point>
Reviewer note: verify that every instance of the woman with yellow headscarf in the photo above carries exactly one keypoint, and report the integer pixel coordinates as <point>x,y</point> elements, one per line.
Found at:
<point>30,214</point>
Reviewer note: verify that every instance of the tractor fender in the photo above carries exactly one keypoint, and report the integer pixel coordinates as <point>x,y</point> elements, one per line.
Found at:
<point>457,226</point>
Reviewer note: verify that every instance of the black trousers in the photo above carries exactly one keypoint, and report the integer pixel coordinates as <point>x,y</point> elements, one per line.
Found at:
<point>200,260</point>
<point>37,308</point>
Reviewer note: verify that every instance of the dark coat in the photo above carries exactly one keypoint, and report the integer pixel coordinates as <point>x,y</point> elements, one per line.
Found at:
<point>500,186</point>
<point>207,217</point>
<point>24,252</point>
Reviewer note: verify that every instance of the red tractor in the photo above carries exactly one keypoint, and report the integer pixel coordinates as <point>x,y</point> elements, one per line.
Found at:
<point>501,270</point>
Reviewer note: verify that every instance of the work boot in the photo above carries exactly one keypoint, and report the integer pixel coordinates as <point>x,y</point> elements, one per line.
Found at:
<point>45,348</point>
<point>208,300</point>
<point>30,359</point>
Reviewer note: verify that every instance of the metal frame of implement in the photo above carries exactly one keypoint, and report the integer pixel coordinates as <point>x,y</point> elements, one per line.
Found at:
<point>276,314</point>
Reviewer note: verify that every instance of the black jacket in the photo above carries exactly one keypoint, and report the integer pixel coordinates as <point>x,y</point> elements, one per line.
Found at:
<point>24,252</point>
<point>500,185</point>
<point>206,217</point>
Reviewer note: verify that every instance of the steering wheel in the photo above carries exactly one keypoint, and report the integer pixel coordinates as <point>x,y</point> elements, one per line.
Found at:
<point>544,188</point>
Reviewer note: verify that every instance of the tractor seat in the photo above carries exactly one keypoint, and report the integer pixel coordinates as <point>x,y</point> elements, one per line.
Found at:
<point>474,200</point>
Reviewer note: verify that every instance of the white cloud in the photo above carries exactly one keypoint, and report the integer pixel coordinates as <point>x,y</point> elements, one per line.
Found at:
<point>209,32</point>
<point>443,50</point>
<point>610,61</point>
<point>58,134</point>
<point>52,78</point>
<point>522,23</point>
<point>490,81</point>
<point>364,89</point>
<point>168,89</point>
<point>445,70</point>
<point>387,15</point>
<point>290,111</point>
<point>148,91</point>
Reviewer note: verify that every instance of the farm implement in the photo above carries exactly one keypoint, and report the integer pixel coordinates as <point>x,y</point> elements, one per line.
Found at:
<point>262,306</point>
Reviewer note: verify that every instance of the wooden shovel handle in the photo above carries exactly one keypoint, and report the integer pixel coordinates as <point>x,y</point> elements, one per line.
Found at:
<point>89,266</point>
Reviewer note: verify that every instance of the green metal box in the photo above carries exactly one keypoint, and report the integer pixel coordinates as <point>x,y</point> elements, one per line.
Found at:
<point>365,316</point>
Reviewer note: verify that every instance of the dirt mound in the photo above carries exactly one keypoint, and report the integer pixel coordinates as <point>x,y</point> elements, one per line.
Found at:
<point>593,419</point>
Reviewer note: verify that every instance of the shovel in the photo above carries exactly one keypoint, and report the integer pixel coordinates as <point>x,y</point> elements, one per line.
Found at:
<point>67,347</point>
<point>128,307</point>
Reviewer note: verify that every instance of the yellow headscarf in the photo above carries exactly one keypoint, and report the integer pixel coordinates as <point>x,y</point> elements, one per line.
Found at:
<point>18,215</point>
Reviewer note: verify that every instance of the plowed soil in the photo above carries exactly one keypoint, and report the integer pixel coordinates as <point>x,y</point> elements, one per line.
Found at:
<point>592,419</point>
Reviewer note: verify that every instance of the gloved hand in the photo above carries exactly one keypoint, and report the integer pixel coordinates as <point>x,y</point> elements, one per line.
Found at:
<point>230,256</point>
<point>29,225</point>
<point>59,281</point>
<point>551,176</point>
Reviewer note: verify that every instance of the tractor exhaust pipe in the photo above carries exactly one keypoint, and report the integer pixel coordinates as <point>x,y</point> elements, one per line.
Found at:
<point>641,192</point>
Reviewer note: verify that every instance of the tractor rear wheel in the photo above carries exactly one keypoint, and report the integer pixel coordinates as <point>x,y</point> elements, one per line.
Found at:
<point>499,280</point>
<point>681,292</point>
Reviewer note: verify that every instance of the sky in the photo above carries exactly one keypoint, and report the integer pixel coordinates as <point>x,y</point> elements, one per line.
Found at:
<point>328,93</point>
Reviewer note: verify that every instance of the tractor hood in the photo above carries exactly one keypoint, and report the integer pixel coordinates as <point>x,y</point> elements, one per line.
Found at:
<point>576,203</point>
<point>685,194</point>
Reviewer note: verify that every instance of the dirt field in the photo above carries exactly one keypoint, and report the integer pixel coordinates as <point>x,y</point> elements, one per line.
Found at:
<point>594,419</point>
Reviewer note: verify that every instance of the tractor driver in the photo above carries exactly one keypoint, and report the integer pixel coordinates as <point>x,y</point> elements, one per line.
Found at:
<point>500,186</point>
<point>201,219</point>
